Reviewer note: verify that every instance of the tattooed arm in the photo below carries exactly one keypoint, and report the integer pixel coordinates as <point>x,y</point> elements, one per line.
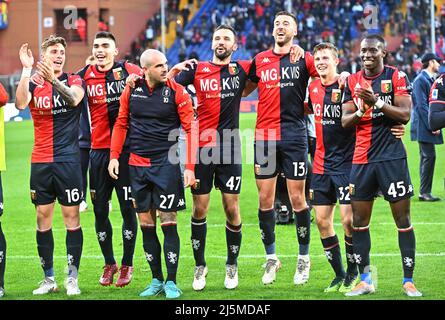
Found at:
<point>71,95</point>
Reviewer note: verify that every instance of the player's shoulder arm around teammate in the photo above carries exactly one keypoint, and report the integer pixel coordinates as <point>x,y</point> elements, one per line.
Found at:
<point>23,93</point>
<point>310,65</point>
<point>436,116</point>
<point>184,72</point>
<point>252,79</point>
<point>132,68</point>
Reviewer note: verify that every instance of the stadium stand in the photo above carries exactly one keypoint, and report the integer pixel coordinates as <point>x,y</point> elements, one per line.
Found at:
<point>405,24</point>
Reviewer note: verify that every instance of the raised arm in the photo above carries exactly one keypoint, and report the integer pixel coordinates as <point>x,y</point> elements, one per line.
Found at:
<point>22,94</point>
<point>183,66</point>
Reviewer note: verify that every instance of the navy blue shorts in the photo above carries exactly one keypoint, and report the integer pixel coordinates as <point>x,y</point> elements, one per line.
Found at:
<point>157,187</point>
<point>102,185</point>
<point>1,196</point>
<point>61,180</point>
<point>326,189</point>
<point>222,170</point>
<point>289,157</point>
<point>391,177</point>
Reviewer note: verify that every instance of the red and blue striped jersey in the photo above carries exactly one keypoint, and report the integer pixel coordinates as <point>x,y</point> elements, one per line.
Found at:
<point>335,144</point>
<point>104,89</point>
<point>282,91</point>
<point>374,140</point>
<point>56,125</point>
<point>219,89</point>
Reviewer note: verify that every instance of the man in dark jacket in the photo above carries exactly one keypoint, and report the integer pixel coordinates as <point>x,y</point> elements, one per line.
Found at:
<point>420,128</point>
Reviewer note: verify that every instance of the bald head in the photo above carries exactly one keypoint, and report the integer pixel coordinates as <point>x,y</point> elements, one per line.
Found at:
<point>151,57</point>
<point>154,64</point>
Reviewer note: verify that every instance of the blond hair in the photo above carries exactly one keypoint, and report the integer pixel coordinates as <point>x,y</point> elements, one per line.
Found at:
<point>328,46</point>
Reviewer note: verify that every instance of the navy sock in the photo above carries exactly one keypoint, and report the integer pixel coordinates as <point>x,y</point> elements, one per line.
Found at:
<point>152,248</point>
<point>2,257</point>
<point>104,232</point>
<point>129,232</point>
<point>171,249</point>
<point>407,245</point>
<point>332,250</point>
<point>303,225</point>
<point>362,245</point>
<point>233,240</point>
<point>74,244</point>
<point>198,238</point>
<point>45,248</point>
<point>267,228</point>
<point>349,247</point>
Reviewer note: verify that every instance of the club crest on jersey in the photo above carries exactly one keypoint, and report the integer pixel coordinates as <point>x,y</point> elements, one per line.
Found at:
<point>166,94</point>
<point>118,73</point>
<point>435,94</point>
<point>233,69</point>
<point>336,95</point>
<point>386,86</point>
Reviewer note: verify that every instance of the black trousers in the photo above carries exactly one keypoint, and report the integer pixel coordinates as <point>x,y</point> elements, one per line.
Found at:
<point>427,162</point>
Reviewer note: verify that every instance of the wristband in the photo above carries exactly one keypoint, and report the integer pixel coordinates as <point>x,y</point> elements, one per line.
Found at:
<point>359,113</point>
<point>379,104</point>
<point>26,72</point>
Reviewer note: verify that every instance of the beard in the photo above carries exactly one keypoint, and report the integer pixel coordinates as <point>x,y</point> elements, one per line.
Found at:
<point>224,55</point>
<point>287,39</point>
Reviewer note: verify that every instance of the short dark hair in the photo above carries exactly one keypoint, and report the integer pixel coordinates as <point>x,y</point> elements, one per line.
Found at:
<point>326,45</point>
<point>286,13</point>
<point>226,27</point>
<point>105,35</point>
<point>377,37</point>
<point>426,64</point>
<point>52,40</point>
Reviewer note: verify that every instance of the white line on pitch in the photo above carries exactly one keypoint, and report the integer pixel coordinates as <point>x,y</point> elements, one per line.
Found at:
<point>254,256</point>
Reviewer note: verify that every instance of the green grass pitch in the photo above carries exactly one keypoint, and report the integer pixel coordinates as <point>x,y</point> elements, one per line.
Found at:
<point>23,270</point>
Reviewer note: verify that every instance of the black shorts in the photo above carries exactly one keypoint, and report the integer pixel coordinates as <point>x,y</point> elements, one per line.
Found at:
<point>101,183</point>
<point>224,171</point>
<point>326,189</point>
<point>61,180</point>
<point>157,187</point>
<point>391,177</point>
<point>289,157</point>
<point>1,196</point>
